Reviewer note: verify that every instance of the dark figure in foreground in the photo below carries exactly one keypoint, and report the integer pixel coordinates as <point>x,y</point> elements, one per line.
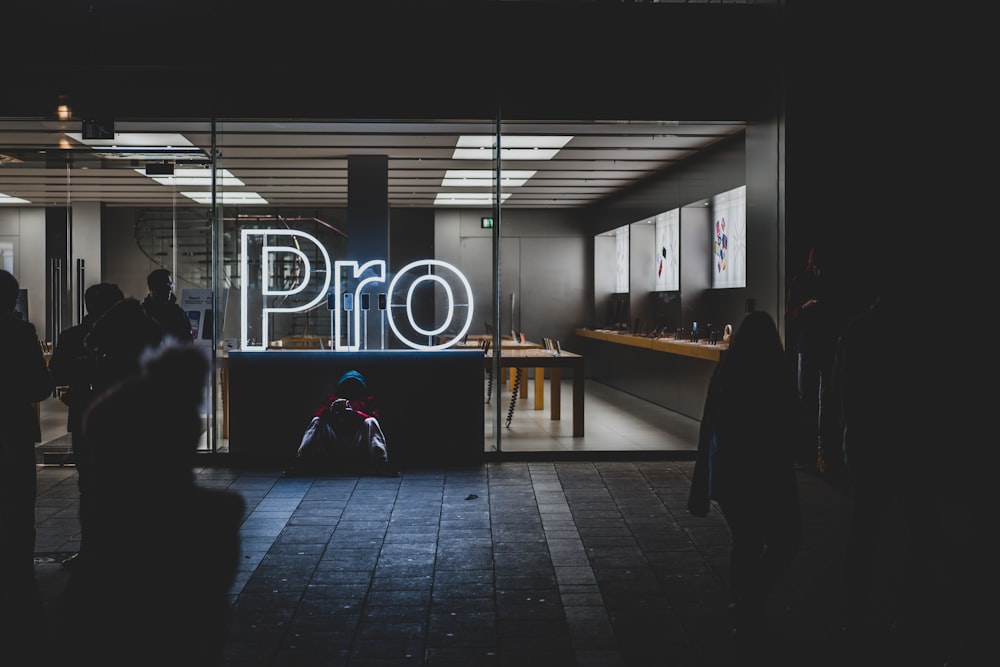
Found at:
<point>24,380</point>
<point>894,479</point>
<point>345,434</point>
<point>812,319</point>
<point>73,368</point>
<point>745,463</point>
<point>117,342</point>
<point>161,305</point>
<point>162,551</point>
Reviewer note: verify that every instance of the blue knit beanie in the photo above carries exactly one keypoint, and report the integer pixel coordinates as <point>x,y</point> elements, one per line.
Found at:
<point>351,385</point>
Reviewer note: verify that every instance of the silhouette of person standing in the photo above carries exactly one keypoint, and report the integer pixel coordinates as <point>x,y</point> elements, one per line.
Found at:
<point>812,320</point>
<point>745,463</point>
<point>24,381</point>
<point>895,479</point>
<point>73,367</point>
<point>149,515</point>
<point>118,340</point>
<point>161,305</point>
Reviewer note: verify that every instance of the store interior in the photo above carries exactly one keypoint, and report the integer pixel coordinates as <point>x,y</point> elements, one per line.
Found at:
<point>139,197</point>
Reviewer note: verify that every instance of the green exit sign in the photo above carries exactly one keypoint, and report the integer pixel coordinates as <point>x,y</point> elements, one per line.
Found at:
<point>487,223</point>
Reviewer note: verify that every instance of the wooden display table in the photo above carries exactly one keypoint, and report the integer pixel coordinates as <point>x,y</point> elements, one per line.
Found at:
<point>476,342</point>
<point>540,359</point>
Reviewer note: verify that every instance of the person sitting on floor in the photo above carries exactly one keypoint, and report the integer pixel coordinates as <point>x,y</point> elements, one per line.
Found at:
<point>345,433</point>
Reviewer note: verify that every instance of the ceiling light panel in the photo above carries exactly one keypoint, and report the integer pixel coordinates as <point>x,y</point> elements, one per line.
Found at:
<point>513,141</point>
<point>226,197</point>
<point>516,147</point>
<point>7,199</point>
<point>142,146</point>
<point>458,178</point>
<point>188,177</point>
<point>467,198</point>
<point>136,140</point>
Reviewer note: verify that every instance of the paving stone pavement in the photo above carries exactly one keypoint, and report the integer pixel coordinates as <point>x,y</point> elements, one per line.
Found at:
<point>512,563</point>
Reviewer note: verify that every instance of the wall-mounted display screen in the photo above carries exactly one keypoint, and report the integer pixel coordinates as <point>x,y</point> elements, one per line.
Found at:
<point>618,311</point>
<point>665,310</point>
<point>729,238</point>
<point>667,259</point>
<point>621,259</point>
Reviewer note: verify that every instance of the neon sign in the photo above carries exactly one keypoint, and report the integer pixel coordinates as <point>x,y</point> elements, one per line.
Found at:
<point>401,295</point>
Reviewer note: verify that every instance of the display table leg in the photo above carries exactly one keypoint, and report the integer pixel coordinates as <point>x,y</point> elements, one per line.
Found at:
<point>539,388</point>
<point>578,398</point>
<point>555,388</point>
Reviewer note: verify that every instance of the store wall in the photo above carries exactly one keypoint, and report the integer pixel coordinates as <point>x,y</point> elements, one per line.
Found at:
<point>544,263</point>
<point>127,265</point>
<point>24,229</point>
<point>735,162</point>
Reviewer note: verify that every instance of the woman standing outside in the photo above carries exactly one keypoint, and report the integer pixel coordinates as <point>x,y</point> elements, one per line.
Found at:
<point>745,463</point>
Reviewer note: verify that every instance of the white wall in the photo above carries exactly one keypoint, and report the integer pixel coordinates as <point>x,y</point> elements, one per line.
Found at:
<point>25,228</point>
<point>86,245</point>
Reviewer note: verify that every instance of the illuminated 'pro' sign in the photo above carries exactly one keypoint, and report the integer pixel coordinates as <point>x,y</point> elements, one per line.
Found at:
<point>412,280</point>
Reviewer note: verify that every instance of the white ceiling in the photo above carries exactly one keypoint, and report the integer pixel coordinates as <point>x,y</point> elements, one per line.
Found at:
<point>304,164</point>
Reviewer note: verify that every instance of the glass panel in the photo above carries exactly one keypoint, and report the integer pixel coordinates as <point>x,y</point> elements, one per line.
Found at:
<point>344,210</point>
<point>524,226</point>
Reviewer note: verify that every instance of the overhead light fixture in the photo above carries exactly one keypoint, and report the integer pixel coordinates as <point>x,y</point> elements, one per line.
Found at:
<point>514,147</point>
<point>458,178</point>
<point>226,197</point>
<point>193,177</point>
<point>146,146</point>
<point>7,199</point>
<point>468,198</point>
<point>63,112</point>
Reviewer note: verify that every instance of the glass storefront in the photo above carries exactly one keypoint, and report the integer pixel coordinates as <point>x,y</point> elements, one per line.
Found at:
<point>346,236</point>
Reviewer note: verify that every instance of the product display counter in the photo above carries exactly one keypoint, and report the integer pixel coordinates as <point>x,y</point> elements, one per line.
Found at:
<point>431,402</point>
<point>671,373</point>
<point>698,349</point>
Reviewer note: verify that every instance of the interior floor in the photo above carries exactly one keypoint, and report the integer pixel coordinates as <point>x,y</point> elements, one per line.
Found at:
<point>614,422</point>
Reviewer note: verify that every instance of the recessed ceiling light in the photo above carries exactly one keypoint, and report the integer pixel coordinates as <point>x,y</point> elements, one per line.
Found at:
<point>484,178</point>
<point>142,146</point>
<point>188,176</point>
<point>514,147</point>
<point>7,199</point>
<point>137,140</point>
<point>226,197</point>
<point>467,198</point>
<point>513,141</point>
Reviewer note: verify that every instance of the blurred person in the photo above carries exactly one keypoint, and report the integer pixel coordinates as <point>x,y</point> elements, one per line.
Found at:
<point>151,522</point>
<point>896,483</point>
<point>812,321</point>
<point>118,340</point>
<point>72,367</point>
<point>745,463</point>
<point>24,381</point>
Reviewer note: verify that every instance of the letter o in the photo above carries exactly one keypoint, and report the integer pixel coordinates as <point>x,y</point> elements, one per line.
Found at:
<point>454,301</point>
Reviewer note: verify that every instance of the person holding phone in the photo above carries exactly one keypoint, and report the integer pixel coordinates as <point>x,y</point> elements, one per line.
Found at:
<point>161,305</point>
